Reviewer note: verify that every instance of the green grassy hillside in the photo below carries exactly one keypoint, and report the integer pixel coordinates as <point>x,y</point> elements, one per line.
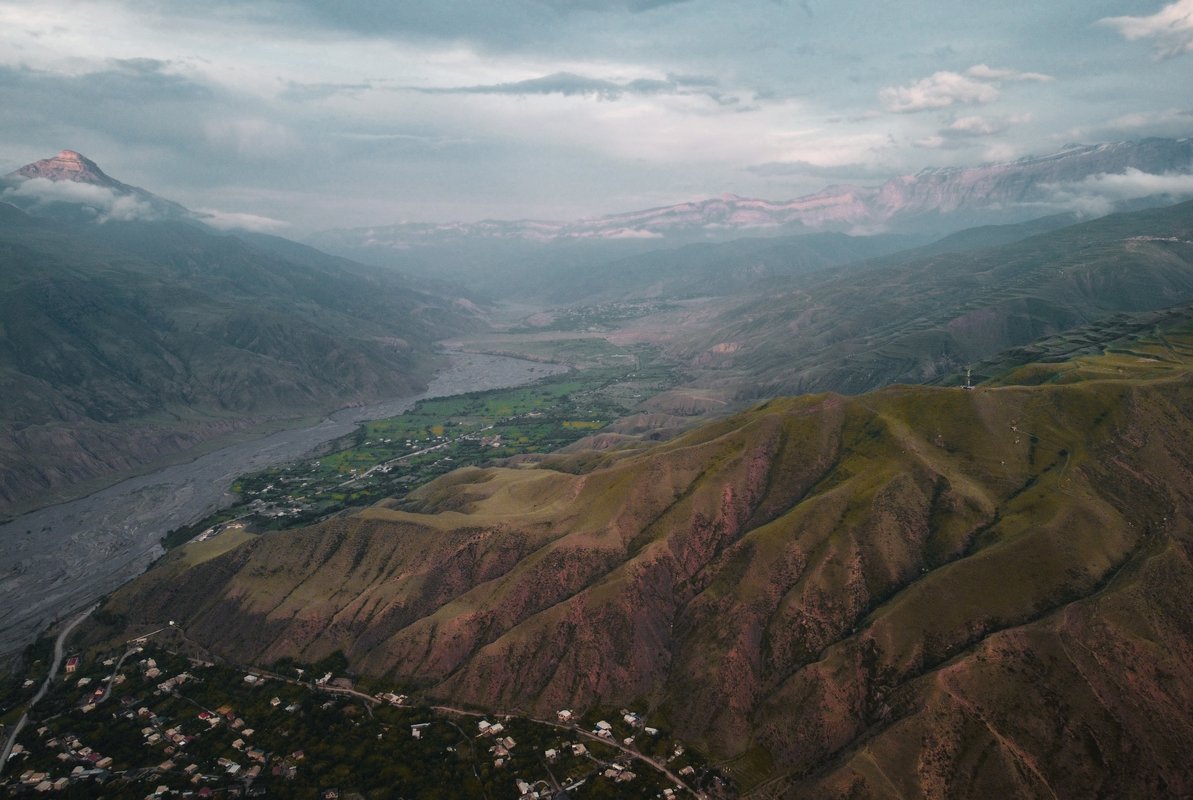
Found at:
<point>920,591</point>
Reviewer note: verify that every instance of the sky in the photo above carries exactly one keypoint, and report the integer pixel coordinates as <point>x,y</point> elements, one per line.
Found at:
<point>310,114</point>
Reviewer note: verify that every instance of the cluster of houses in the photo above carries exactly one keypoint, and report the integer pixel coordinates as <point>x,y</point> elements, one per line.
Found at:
<point>396,700</point>
<point>502,745</point>
<point>604,729</point>
<point>170,738</point>
<point>241,761</point>
<point>85,763</point>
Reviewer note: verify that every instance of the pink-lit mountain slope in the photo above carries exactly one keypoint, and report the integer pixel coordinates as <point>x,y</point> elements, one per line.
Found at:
<point>72,186</point>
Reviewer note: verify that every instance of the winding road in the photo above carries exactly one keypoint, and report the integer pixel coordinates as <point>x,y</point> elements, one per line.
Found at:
<point>59,644</point>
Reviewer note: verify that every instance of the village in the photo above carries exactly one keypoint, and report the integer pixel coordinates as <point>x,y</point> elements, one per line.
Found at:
<point>147,721</point>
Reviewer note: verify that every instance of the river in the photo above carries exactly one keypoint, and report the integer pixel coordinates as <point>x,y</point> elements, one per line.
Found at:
<point>62,557</point>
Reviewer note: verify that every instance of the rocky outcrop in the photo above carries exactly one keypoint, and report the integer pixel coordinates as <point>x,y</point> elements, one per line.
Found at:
<point>66,166</point>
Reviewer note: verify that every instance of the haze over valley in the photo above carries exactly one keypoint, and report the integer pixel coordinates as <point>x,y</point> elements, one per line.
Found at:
<point>612,399</point>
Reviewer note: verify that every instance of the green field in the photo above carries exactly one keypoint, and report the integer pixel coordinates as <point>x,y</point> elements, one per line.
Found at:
<point>390,457</point>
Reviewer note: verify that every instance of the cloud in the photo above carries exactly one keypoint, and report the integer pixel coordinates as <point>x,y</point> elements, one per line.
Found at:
<point>978,85</point>
<point>631,233</point>
<point>1150,119</point>
<point>308,92</point>
<point>230,220</point>
<point>633,6</point>
<point>549,108</point>
<point>978,126</point>
<point>142,66</point>
<point>848,172</point>
<point>986,73</point>
<point>106,204</point>
<point>391,137</point>
<point>507,25</point>
<point>1172,123</point>
<point>1097,194</point>
<point>252,137</point>
<point>1170,28</point>
<point>939,90</point>
<point>570,85</point>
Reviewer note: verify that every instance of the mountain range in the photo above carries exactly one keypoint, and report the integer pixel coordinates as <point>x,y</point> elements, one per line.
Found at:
<point>936,200</point>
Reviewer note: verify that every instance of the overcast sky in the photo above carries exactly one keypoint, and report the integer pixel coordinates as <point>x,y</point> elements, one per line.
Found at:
<point>323,113</point>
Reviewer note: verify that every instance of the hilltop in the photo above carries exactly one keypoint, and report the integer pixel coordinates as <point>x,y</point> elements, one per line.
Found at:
<point>919,590</point>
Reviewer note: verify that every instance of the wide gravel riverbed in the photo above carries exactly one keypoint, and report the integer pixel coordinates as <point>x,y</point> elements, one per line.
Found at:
<point>62,557</point>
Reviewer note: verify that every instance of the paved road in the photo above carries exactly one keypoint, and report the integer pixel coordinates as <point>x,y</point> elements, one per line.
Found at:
<point>59,644</point>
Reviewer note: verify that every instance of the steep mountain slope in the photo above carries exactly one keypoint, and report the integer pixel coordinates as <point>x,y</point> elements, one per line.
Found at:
<point>920,591</point>
<point>912,319</point>
<point>125,342</point>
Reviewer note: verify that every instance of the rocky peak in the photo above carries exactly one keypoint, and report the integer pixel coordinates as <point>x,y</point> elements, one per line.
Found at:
<point>66,166</point>
<point>70,166</point>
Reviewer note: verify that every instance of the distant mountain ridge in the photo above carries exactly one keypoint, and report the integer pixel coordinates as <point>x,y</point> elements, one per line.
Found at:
<point>918,315</point>
<point>969,195</point>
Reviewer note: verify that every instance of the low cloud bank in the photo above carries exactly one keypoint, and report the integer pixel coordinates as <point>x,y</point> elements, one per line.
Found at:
<point>106,204</point>
<point>1097,195</point>
<point>231,220</point>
